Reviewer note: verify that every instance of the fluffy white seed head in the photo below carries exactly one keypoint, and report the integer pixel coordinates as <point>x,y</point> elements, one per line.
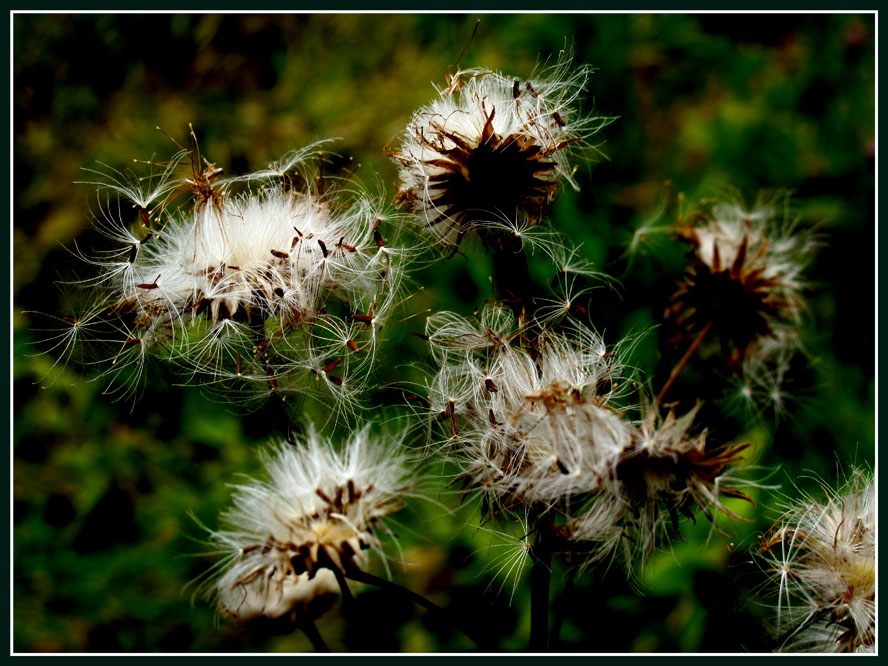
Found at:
<point>821,556</point>
<point>317,513</point>
<point>270,254</point>
<point>492,147</point>
<point>527,421</point>
<point>263,290</point>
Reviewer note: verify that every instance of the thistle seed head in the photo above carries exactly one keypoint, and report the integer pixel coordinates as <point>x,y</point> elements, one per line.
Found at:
<point>318,513</point>
<point>663,472</point>
<point>284,281</point>
<point>821,556</point>
<point>528,421</point>
<point>493,147</point>
<point>744,280</point>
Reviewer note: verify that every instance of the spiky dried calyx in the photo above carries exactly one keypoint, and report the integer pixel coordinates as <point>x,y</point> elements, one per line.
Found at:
<point>736,297</point>
<point>491,151</point>
<point>664,471</point>
<point>666,464</point>
<point>743,285</point>
<point>474,178</point>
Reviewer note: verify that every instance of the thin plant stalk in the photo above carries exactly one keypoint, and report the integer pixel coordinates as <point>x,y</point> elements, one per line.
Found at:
<point>361,576</point>
<point>512,275</point>
<point>311,632</point>
<point>347,596</point>
<point>561,608</point>
<point>680,366</point>
<point>540,577</point>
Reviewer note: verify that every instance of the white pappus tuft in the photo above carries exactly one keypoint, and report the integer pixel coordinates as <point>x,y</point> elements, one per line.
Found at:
<point>290,539</point>
<point>529,421</point>
<point>821,556</point>
<point>264,289</point>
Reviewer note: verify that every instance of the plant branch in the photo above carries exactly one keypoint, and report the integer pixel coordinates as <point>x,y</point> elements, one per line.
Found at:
<point>363,577</point>
<point>347,596</point>
<point>540,576</point>
<point>512,275</point>
<point>311,632</point>
<point>677,370</point>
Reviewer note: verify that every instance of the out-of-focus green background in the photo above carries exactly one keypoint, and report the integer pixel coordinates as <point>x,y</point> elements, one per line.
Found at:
<point>102,490</point>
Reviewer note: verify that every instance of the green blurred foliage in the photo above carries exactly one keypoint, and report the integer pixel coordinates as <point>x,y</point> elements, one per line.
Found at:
<point>104,492</point>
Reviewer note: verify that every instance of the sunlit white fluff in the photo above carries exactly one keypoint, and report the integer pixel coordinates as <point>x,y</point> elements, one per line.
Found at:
<point>257,283</point>
<point>315,515</point>
<point>526,424</point>
<point>821,556</point>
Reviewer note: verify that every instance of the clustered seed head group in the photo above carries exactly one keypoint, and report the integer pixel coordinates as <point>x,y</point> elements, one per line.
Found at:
<point>544,419</point>
<point>279,281</point>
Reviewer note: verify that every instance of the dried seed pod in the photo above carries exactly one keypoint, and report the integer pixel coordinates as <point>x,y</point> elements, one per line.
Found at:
<point>286,539</point>
<point>744,283</point>
<point>489,151</point>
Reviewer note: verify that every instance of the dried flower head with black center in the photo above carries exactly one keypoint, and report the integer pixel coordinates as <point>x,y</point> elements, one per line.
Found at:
<point>492,149</point>
<point>744,282</point>
<point>664,472</point>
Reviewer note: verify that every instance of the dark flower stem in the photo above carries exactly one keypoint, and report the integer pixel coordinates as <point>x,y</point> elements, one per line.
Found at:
<point>561,608</point>
<point>677,370</point>
<point>512,275</point>
<point>513,279</point>
<point>347,596</point>
<point>540,575</point>
<point>311,632</point>
<point>363,577</point>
